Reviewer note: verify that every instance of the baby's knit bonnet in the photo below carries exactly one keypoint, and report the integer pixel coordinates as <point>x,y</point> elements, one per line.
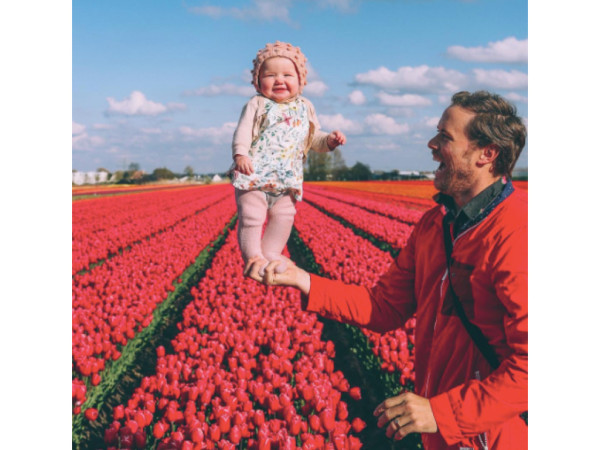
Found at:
<point>285,50</point>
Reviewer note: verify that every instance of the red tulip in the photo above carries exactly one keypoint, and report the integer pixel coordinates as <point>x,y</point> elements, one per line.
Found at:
<point>139,438</point>
<point>327,417</point>
<point>197,435</point>
<point>314,422</point>
<point>355,393</point>
<point>111,435</point>
<point>214,432</point>
<point>342,411</point>
<point>91,414</point>
<point>259,418</point>
<point>358,424</point>
<point>235,435</point>
<point>159,429</point>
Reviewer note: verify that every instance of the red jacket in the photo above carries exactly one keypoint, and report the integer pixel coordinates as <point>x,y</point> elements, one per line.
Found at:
<point>473,405</point>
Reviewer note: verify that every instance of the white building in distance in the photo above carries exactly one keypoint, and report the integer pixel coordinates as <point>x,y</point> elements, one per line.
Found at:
<point>80,178</point>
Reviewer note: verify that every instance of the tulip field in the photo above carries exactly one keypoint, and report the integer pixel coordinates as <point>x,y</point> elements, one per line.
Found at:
<point>172,348</point>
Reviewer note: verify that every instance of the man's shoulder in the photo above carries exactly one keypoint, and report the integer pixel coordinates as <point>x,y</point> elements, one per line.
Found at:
<point>517,203</point>
<point>430,219</point>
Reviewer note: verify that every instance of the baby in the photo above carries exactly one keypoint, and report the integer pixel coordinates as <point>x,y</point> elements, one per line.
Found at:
<point>276,130</point>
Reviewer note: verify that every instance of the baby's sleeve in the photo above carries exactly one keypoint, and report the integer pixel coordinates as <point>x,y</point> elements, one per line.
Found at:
<point>319,139</point>
<point>242,137</point>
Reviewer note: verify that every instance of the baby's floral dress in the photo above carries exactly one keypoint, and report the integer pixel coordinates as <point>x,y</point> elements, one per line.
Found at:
<point>277,154</point>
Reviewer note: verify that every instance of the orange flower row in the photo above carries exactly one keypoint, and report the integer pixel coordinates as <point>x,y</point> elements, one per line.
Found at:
<point>408,188</point>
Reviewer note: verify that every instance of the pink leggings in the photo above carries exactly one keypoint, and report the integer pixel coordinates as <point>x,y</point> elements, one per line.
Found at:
<point>253,208</point>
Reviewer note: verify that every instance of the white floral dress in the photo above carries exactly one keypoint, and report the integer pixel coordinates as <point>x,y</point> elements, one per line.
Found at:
<point>277,154</point>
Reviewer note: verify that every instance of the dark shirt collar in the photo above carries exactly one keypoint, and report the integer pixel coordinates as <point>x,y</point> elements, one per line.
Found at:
<point>474,207</point>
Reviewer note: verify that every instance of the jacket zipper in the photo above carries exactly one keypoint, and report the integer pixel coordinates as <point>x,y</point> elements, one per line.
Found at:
<point>434,324</point>
<point>483,436</point>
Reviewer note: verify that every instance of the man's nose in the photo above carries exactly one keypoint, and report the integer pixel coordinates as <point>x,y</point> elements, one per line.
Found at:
<point>432,144</point>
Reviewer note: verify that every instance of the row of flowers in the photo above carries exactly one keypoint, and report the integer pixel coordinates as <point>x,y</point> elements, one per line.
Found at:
<point>115,300</point>
<point>394,210</point>
<point>248,369</point>
<point>413,190</point>
<point>347,257</point>
<point>104,226</point>
<point>390,231</point>
<point>418,204</point>
<point>120,189</point>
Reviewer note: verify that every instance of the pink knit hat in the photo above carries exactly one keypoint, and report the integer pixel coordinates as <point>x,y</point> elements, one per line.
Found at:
<point>285,50</point>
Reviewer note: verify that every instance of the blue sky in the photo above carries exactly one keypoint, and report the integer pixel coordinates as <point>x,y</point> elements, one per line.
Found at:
<point>162,83</point>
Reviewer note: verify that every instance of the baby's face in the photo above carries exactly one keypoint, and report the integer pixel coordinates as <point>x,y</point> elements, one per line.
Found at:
<point>278,79</point>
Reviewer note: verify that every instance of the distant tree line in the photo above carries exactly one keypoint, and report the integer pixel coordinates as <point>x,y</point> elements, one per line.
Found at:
<point>133,174</point>
<point>332,167</point>
<point>317,167</point>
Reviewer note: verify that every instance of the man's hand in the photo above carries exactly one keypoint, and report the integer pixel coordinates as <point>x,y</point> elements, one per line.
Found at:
<point>404,414</point>
<point>335,138</point>
<point>293,275</point>
<point>243,164</point>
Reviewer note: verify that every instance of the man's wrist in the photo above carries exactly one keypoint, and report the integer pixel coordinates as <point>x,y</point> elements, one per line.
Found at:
<point>303,281</point>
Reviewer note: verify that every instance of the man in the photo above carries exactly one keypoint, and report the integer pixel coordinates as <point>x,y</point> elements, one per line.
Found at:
<point>461,401</point>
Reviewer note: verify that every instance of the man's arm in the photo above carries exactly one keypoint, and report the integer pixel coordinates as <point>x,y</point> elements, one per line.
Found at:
<point>385,306</point>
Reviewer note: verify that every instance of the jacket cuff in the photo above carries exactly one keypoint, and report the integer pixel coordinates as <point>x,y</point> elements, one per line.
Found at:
<point>445,419</point>
<point>316,296</point>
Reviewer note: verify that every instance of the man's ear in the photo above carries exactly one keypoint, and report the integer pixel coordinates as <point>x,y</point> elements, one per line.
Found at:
<point>488,155</point>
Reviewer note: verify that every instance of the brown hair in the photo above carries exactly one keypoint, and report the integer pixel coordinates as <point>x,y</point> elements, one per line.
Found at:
<point>495,122</point>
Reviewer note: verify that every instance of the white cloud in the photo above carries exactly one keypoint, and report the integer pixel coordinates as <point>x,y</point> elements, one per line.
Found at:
<point>77,128</point>
<point>510,50</point>
<point>215,134</point>
<point>444,99</point>
<point>421,78</point>
<point>247,76</point>
<point>405,100</point>
<point>339,122</point>
<point>315,88</point>
<point>357,97</point>
<point>263,10</point>
<point>138,105</point>
<point>501,79</point>
<point>514,97</point>
<point>432,122</point>
<point>382,124</point>
<point>86,142</point>
<point>223,89</point>
<point>80,139</point>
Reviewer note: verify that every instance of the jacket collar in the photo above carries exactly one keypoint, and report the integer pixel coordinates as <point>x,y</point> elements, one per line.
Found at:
<point>478,208</point>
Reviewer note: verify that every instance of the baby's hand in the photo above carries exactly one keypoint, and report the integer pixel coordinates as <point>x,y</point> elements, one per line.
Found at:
<point>243,164</point>
<point>335,138</point>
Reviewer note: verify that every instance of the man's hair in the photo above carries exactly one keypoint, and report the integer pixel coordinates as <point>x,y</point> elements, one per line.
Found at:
<point>495,122</point>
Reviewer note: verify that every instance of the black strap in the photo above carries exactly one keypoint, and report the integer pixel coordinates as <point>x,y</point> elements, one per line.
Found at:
<point>476,334</point>
<point>482,344</point>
